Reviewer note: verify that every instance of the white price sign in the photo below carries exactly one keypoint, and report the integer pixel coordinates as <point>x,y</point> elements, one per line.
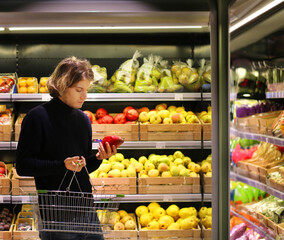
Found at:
<point>179,96</point>
<point>45,97</point>
<point>161,145</point>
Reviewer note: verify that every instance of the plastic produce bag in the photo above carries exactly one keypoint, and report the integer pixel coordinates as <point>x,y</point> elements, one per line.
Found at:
<point>100,83</point>
<point>123,79</point>
<point>186,75</point>
<point>205,75</point>
<point>148,75</point>
<point>167,83</point>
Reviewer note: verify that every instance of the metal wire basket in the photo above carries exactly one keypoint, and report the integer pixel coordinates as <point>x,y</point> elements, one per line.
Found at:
<point>74,212</point>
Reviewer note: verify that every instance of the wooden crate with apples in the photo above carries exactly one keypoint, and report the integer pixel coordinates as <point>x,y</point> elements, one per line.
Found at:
<point>5,179</point>
<point>163,234</point>
<point>129,132</point>
<point>123,234</point>
<point>6,128</point>
<point>22,185</point>
<point>170,132</point>
<point>18,125</point>
<point>120,185</point>
<point>160,185</point>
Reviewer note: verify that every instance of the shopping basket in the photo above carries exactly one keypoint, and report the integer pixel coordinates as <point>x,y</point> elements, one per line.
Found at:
<point>76,212</point>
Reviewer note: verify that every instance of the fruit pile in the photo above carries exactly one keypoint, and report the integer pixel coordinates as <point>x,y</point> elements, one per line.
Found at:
<point>5,115</point>
<point>27,85</point>
<point>3,170</point>
<point>5,219</point>
<point>102,116</point>
<point>155,217</point>
<point>100,83</point>
<point>42,85</point>
<point>204,116</point>
<point>154,166</point>
<point>6,84</point>
<point>120,220</point>
<point>205,214</point>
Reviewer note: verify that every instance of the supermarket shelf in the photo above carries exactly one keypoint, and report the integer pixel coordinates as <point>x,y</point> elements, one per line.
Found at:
<point>162,144</point>
<point>137,145</point>
<point>275,95</point>
<point>263,231</point>
<point>126,199</point>
<point>258,137</point>
<point>92,97</point>
<point>257,184</point>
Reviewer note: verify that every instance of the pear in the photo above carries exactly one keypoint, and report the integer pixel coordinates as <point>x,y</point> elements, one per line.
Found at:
<point>174,226</point>
<point>152,206</point>
<point>165,221</point>
<point>173,210</point>
<point>145,219</point>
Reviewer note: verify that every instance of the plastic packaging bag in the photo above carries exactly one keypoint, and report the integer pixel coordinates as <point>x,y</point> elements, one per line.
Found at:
<point>100,83</point>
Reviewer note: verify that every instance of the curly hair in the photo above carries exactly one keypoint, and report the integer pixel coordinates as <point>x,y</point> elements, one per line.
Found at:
<point>68,72</point>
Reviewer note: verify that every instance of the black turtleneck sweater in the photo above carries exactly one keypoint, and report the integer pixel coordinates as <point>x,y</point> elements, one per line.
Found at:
<point>50,133</point>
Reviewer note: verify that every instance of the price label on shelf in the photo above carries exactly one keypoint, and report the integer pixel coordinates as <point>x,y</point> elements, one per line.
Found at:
<point>179,96</point>
<point>167,198</point>
<point>45,97</point>
<point>161,145</point>
<point>1,199</point>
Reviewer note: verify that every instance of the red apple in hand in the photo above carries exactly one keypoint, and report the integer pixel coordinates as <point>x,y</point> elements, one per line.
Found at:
<point>132,115</point>
<point>112,140</point>
<point>125,110</point>
<point>120,118</point>
<point>101,112</point>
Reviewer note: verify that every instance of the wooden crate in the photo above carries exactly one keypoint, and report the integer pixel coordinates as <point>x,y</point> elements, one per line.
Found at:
<point>160,185</point>
<point>170,132</point>
<point>206,131</point>
<point>129,132</point>
<point>206,233</point>
<point>280,229</point>
<point>7,235</point>
<point>18,126</point>
<point>6,131</point>
<point>123,234</point>
<point>123,185</point>
<point>22,185</point>
<point>28,235</point>
<point>5,182</point>
<point>207,184</point>
<point>164,234</point>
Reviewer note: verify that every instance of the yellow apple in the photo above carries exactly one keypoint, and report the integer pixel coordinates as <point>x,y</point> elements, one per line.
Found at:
<point>164,114</point>
<point>167,120</point>
<point>172,108</point>
<point>162,106</point>
<point>156,119</point>
<point>143,117</point>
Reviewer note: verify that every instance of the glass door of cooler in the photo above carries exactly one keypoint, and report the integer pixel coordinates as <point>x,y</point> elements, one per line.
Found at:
<point>256,119</point>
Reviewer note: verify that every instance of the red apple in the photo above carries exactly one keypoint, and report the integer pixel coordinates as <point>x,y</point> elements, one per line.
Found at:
<point>2,170</point>
<point>107,119</point>
<point>112,140</point>
<point>101,112</point>
<point>125,110</point>
<point>132,115</point>
<point>89,114</point>
<point>120,118</point>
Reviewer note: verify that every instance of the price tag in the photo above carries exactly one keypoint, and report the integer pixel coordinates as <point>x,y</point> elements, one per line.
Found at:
<point>161,145</point>
<point>167,198</point>
<point>45,97</point>
<point>26,199</point>
<point>1,199</point>
<point>179,96</point>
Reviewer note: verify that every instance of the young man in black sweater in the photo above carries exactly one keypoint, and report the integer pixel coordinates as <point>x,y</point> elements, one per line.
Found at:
<point>56,136</point>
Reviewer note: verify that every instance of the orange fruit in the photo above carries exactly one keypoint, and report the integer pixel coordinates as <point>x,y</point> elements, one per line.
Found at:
<point>31,89</point>
<point>43,81</point>
<point>23,90</point>
<point>42,90</point>
<point>30,81</point>
<point>22,83</point>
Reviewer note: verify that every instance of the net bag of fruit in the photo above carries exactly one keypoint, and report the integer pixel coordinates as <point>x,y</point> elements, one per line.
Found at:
<point>205,74</point>
<point>123,79</point>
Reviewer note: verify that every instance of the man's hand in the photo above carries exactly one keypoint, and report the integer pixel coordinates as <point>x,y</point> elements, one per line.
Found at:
<point>105,153</point>
<point>75,163</point>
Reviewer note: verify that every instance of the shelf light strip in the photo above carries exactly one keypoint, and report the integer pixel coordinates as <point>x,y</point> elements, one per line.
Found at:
<point>2,29</point>
<point>255,14</point>
<point>100,28</point>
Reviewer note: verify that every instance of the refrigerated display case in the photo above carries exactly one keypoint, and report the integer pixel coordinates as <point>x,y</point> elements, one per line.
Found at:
<point>109,33</point>
<point>256,49</point>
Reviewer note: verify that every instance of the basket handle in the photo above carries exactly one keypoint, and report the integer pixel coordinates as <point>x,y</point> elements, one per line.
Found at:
<point>74,176</point>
